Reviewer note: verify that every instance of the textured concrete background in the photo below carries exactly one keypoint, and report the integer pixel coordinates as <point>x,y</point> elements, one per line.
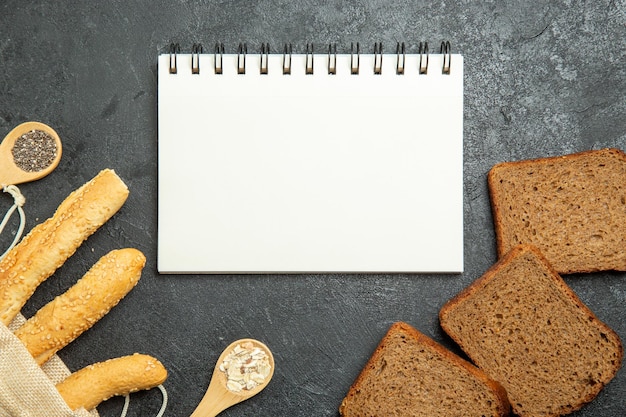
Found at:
<point>542,78</point>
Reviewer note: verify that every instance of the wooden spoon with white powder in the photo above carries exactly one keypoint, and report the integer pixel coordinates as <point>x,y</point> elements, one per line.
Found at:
<point>243,370</point>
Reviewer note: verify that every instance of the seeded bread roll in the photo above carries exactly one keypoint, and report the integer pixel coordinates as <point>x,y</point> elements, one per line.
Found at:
<point>572,208</point>
<point>523,326</point>
<point>52,242</point>
<point>67,316</point>
<point>409,374</point>
<point>93,384</point>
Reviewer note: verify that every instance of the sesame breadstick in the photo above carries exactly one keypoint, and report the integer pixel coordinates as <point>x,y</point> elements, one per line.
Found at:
<point>70,314</point>
<point>51,243</point>
<point>93,384</point>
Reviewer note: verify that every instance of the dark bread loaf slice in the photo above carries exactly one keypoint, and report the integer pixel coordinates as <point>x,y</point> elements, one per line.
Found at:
<point>411,375</point>
<point>572,208</point>
<point>523,326</point>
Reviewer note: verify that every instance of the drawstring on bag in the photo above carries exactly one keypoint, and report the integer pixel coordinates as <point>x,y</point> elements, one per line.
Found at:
<point>18,201</point>
<point>163,405</point>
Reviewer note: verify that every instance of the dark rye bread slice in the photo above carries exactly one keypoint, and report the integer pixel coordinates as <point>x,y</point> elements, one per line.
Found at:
<point>409,374</point>
<point>572,207</point>
<point>523,326</point>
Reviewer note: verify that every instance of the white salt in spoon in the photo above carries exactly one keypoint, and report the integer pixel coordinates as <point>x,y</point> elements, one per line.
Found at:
<point>11,171</point>
<point>218,396</point>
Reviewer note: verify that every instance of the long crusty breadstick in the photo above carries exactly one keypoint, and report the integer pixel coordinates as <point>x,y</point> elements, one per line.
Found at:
<point>70,314</point>
<point>93,384</point>
<point>49,244</point>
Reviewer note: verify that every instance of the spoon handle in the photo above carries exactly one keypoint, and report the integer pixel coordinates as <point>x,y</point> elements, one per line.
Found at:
<point>215,401</point>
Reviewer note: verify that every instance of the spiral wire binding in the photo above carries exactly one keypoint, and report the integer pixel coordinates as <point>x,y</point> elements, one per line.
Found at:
<point>423,50</point>
<point>309,59</point>
<point>174,50</point>
<point>196,50</point>
<point>447,57</point>
<point>287,59</point>
<point>218,56</point>
<point>332,59</point>
<point>378,58</point>
<point>265,50</point>
<point>401,57</point>
<point>354,69</point>
<point>241,58</point>
<point>355,54</point>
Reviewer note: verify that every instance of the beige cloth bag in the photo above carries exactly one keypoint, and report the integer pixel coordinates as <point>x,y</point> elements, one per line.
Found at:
<point>26,389</point>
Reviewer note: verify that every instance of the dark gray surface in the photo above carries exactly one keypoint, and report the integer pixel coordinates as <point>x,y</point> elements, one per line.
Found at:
<point>542,78</point>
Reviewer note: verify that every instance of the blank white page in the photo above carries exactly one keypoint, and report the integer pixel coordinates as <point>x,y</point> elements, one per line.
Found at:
<point>274,173</point>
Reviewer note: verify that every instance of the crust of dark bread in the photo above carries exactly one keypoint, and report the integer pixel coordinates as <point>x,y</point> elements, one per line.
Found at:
<point>551,204</point>
<point>498,392</point>
<point>469,293</point>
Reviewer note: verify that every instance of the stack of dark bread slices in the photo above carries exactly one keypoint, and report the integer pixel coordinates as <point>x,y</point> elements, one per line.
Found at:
<point>535,348</point>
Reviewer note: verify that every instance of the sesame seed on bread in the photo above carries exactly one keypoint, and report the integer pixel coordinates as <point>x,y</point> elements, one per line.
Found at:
<point>572,208</point>
<point>409,374</point>
<point>523,326</point>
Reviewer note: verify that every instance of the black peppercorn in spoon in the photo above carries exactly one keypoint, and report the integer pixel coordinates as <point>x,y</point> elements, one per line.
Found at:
<point>29,152</point>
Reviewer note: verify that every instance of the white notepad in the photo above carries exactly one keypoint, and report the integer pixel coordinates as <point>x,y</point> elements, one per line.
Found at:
<point>294,173</point>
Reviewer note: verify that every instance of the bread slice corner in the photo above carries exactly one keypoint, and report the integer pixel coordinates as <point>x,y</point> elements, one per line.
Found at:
<point>409,374</point>
<point>523,326</point>
<point>571,207</point>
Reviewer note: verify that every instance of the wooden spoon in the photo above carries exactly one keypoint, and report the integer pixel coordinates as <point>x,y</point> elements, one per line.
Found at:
<point>10,172</point>
<point>218,397</point>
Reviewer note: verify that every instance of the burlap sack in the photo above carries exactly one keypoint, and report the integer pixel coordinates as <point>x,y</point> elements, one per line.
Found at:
<point>27,390</point>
